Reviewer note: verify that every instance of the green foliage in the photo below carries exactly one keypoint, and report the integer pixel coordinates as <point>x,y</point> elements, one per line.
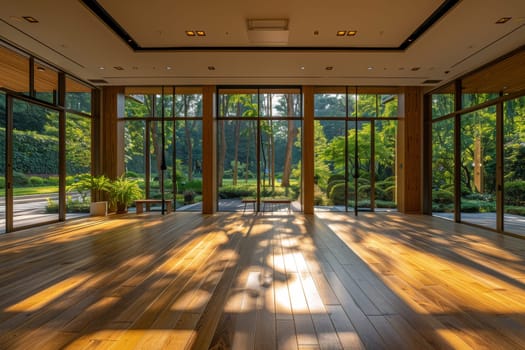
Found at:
<point>515,210</point>
<point>193,185</point>
<point>337,194</point>
<point>238,191</point>
<point>385,204</point>
<point>442,197</point>
<point>53,180</point>
<point>2,182</point>
<point>476,206</point>
<point>332,183</point>
<point>515,193</point>
<point>84,183</point>
<point>36,181</point>
<point>123,192</point>
<point>72,206</point>
<point>20,179</point>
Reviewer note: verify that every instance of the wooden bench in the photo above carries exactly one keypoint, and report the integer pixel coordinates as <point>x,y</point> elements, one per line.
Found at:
<point>272,201</point>
<point>247,201</point>
<point>139,203</point>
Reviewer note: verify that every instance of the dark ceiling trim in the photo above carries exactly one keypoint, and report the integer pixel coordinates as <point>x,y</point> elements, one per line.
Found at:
<point>105,17</point>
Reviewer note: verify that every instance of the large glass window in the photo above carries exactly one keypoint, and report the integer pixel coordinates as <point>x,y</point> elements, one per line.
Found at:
<point>443,168</point>
<point>78,163</point>
<point>35,164</point>
<point>514,166</point>
<point>78,96</point>
<point>478,167</point>
<point>443,101</point>
<point>259,149</point>
<point>3,117</point>
<point>163,129</point>
<point>34,196</point>
<point>355,148</point>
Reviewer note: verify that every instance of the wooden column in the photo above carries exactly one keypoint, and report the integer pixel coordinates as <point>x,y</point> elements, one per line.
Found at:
<point>209,152</point>
<point>111,148</point>
<point>308,150</point>
<point>409,151</point>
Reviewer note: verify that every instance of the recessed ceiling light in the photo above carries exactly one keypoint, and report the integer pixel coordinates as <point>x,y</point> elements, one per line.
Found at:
<point>211,67</point>
<point>341,33</point>
<point>168,67</point>
<point>40,69</point>
<point>352,32</point>
<point>118,68</point>
<point>301,67</point>
<point>370,68</point>
<point>316,32</point>
<point>135,68</point>
<point>503,20</point>
<point>190,33</point>
<point>201,33</point>
<point>101,68</point>
<point>30,19</point>
<point>329,68</point>
<point>414,69</point>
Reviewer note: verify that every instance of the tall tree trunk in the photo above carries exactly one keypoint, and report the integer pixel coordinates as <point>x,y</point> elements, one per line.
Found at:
<point>247,167</point>
<point>237,132</point>
<point>189,147</point>
<point>154,133</point>
<point>222,151</point>
<point>271,151</point>
<point>292,134</point>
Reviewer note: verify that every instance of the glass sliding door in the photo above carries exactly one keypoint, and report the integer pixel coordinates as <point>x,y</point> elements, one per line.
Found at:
<point>514,166</point>
<point>237,163</point>
<point>3,119</point>
<point>355,148</point>
<point>443,168</point>
<point>78,163</point>
<point>478,167</point>
<point>385,177</point>
<point>259,149</point>
<point>35,164</point>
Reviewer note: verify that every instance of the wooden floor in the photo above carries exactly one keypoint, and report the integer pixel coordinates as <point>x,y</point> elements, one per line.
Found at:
<point>329,281</point>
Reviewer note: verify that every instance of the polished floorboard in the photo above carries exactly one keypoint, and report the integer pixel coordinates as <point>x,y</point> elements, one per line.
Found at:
<point>244,281</point>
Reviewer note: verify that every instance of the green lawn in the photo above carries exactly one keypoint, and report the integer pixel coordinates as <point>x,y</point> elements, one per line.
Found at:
<point>24,191</point>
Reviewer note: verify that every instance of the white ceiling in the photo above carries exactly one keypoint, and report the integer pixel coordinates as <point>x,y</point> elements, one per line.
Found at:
<point>75,39</point>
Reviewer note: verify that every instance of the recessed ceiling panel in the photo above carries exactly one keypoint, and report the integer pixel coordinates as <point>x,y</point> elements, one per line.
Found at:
<point>311,24</point>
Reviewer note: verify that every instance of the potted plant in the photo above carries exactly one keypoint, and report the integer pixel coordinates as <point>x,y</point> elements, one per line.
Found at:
<point>85,185</point>
<point>99,184</point>
<point>123,192</point>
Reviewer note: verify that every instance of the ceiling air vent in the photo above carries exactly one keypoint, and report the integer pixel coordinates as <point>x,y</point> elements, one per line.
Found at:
<point>97,81</point>
<point>432,81</point>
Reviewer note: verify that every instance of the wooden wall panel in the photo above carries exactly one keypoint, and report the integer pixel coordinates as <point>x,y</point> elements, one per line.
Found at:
<point>409,152</point>
<point>308,151</point>
<point>112,132</point>
<point>209,152</point>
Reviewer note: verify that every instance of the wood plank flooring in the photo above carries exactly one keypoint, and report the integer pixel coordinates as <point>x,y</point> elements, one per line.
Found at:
<point>234,281</point>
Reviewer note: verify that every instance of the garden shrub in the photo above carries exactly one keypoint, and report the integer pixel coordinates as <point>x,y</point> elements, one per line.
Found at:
<point>332,183</point>
<point>226,192</point>
<point>335,177</point>
<point>20,179</point>
<point>515,210</point>
<point>36,181</point>
<point>52,180</point>
<point>2,182</point>
<point>474,206</point>
<point>337,194</point>
<point>514,192</point>
<point>442,197</point>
